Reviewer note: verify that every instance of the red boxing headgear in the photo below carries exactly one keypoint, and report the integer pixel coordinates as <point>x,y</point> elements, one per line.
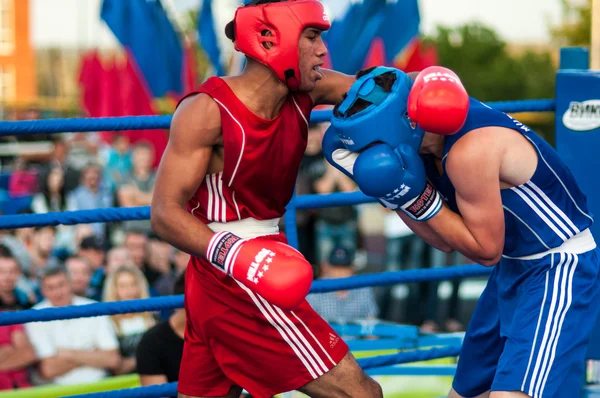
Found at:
<point>285,21</point>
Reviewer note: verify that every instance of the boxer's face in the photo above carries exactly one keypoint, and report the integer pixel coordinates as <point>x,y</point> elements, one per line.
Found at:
<point>312,50</point>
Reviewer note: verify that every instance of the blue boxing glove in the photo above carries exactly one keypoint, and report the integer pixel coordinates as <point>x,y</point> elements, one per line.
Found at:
<point>397,178</point>
<point>336,153</point>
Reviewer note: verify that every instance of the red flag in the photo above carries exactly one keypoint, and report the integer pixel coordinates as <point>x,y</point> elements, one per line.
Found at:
<point>376,54</point>
<point>189,67</point>
<point>90,80</point>
<point>416,58</point>
<point>136,101</point>
<point>109,98</point>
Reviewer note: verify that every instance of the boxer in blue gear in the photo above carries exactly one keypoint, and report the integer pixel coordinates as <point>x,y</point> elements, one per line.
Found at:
<point>508,202</point>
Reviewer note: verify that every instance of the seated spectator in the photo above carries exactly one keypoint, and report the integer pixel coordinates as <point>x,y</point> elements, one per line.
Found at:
<point>11,297</point>
<point>92,249</point>
<point>159,352</point>
<point>117,257</point>
<point>346,305</point>
<point>90,194</point>
<point>43,246</point>
<point>22,181</point>
<point>128,283</point>
<point>16,355</point>
<point>136,241</point>
<point>164,286</point>
<point>59,159</point>
<point>138,186</point>
<point>73,351</point>
<point>159,261</point>
<point>118,165</point>
<point>81,274</point>
<point>52,198</point>
<point>52,193</point>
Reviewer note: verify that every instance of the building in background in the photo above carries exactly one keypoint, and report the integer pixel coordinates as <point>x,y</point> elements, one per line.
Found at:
<point>17,61</point>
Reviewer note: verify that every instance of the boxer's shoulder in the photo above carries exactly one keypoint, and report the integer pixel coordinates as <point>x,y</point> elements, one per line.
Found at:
<point>198,116</point>
<point>476,150</point>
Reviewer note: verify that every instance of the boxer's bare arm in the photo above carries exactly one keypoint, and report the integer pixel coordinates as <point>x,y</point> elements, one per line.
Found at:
<point>331,89</point>
<point>473,165</point>
<point>195,130</point>
<point>425,232</point>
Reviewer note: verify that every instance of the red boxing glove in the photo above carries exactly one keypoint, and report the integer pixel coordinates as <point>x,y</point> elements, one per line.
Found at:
<point>276,271</point>
<point>438,102</point>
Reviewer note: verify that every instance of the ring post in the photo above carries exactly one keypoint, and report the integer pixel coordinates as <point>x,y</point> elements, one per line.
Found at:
<point>578,137</point>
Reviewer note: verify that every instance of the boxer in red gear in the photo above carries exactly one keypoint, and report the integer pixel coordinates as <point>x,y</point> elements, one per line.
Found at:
<point>227,174</point>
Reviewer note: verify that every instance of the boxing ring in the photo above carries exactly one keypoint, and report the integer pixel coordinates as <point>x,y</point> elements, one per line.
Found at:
<point>411,346</point>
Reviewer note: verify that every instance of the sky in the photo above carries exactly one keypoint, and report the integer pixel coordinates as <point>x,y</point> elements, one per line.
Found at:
<point>76,23</point>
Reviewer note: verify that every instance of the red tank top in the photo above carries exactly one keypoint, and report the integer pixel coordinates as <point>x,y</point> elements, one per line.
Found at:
<point>261,159</point>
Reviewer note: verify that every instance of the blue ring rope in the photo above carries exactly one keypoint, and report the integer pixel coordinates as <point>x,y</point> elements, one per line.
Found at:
<point>171,302</point>
<point>115,214</point>
<point>51,126</point>
<point>170,389</point>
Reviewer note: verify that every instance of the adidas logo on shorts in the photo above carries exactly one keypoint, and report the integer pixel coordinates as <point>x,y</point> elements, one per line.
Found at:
<point>333,340</point>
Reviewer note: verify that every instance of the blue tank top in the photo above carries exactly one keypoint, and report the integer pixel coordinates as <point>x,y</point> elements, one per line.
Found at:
<point>540,214</point>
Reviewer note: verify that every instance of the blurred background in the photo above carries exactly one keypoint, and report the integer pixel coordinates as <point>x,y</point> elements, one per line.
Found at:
<point>96,58</point>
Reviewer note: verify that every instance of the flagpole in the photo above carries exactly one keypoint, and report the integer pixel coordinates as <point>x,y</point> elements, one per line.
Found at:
<point>595,39</point>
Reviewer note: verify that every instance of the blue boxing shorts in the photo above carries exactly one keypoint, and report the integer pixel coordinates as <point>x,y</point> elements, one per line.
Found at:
<point>531,327</point>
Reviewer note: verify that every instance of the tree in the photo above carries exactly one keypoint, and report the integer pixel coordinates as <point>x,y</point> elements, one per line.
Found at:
<point>490,72</point>
<point>577,25</point>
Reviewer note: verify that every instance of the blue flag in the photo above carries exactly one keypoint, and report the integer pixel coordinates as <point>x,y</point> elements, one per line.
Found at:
<point>350,37</point>
<point>396,23</point>
<point>208,37</point>
<point>401,25</point>
<point>143,28</point>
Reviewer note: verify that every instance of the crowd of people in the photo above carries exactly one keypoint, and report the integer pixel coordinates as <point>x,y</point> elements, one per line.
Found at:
<point>59,266</point>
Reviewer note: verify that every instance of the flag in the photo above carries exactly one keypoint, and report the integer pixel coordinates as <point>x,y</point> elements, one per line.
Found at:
<point>400,27</point>
<point>109,97</point>
<point>417,58</point>
<point>189,67</point>
<point>90,80</point>
<point>135,101</point>
<point>350,37</point>
<point>143,28</point>
<point>208,37</point>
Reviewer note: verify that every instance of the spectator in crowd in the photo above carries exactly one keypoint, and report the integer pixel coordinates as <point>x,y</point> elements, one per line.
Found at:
<point>158,262</point>
<point>81,274</point>
<point>92,249</point>
<point>117,257</point>
<point>335,225</point>
<point>22,181</point>
<point>91,194</point>
<point>160,350</point>
<point>43,245</point>
<point>12,298</point>
<point>16,355</point>
<point>59,160</point>
<point>346,305</point>
<point>52,198</point>
<point>128,283</point>
<point>164,286</point>
<point>403,250</point>
<point>311,169</point>
<point>82,148</point>
<point>118,165</point>
<point>16,352</point>
<point>73,351</point>
<point>52,193</point>
<point>138,186</point>
<point>135,241</point>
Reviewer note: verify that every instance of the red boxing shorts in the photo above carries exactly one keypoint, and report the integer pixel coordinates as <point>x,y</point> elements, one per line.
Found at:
<point>235,337</point>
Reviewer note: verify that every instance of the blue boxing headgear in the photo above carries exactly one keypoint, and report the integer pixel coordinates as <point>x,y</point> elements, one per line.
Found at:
<point>383,120</point>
